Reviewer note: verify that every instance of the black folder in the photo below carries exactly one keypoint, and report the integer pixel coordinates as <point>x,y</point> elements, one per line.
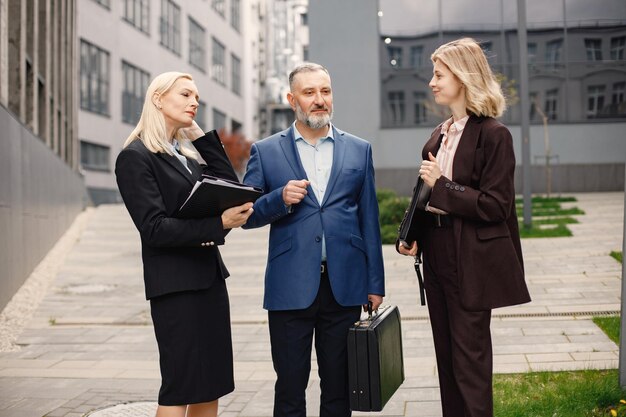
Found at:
<point>211,196</point>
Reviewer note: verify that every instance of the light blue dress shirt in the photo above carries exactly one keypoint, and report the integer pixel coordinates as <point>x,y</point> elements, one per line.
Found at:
<point>174,146</point>
<point>317,161</point>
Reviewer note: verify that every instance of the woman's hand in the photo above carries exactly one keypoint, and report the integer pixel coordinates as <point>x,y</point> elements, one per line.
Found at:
<point>412,251</point>
<point>193,132</point>
<point>236,216</point>
<point>430,171</point>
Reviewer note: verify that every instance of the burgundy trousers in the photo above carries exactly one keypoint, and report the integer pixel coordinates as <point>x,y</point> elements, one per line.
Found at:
<point>462,338</point>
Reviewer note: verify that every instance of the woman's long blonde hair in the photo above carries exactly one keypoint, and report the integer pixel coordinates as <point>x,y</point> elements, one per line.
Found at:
<point>467,61</point>
<point>151,126</point>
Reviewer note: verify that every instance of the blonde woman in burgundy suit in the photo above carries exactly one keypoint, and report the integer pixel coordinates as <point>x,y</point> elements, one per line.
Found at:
<point>469,233</point>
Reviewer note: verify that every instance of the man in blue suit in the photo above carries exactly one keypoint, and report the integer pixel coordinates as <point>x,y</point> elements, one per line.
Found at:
<point>325,258</point>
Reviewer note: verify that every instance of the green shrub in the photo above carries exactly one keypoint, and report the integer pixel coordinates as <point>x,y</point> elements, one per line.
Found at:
<point>391,212</point>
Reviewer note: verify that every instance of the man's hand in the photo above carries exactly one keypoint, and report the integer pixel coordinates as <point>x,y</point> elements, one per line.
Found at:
<point>430,170</point>
<point>295,191</point>
<point>411,251</point>
<point>236,216</point>
<point>375,300</point>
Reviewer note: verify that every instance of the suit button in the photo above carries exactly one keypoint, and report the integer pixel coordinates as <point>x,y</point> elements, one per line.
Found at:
<point>318,239</point>
<point>456,187</point>
<point>462,188</point>
<point>203,244</point>
<point>447,185</point>
<point>211,243</point>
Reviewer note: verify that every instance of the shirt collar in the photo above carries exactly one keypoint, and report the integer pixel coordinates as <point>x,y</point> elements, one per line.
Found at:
<point>298,136</point>
<point>459,125</point>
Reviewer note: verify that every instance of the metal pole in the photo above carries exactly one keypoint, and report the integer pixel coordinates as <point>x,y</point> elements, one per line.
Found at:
<point>524,106</point>
<point>622,335</point>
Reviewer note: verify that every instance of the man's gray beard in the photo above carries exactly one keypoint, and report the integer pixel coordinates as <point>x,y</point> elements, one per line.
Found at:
<point>313,121</point>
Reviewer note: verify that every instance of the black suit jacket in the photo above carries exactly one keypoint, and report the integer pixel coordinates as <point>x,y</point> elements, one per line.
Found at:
<point>178,254</point>
<point>481,199</point>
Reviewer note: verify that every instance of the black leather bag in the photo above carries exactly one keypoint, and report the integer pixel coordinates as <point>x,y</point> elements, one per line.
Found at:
<point>375,362</point>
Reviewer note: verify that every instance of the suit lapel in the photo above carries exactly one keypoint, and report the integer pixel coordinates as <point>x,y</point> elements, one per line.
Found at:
<point>338,155</point>
<point>290,150</point>
<point>432,145</point>
<point>463,164</point>
<point>174,162</point>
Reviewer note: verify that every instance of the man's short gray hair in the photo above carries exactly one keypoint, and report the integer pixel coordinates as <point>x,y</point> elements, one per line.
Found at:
<point>306,67</point>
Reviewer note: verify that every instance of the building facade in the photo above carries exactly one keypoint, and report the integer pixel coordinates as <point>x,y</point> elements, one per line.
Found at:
<point>124,44</point>
<point>41,191</point>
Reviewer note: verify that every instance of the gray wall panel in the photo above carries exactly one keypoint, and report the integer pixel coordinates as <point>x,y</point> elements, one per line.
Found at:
<point>39,198</point>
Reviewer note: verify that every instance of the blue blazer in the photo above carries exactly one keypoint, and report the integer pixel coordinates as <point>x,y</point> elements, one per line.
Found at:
<point>348,216</point>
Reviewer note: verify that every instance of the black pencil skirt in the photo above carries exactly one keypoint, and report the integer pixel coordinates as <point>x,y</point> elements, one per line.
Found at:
<point>195,347</point>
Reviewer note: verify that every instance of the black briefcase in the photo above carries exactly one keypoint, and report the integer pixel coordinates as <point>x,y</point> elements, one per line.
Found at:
<point>375,362</point>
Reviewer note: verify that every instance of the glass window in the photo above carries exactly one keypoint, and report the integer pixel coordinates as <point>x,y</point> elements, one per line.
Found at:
<point>95,157</point>
<point>235,75</point>
<point>201,114</point>
<point>595,100</point>
<point>553,52</point>
<point>94,78</point>
<point>197,45</point>
<point>219,6</point>
<point>617,48</point>
<point>395,56</point>
<point>396,107</point>
<point>135,85</point>
<point>235,14</point>
<point>594,49</point>
<point>170,26</point>
<point>419,103</point>
<point>551,104</point>
<point>532,52</point>
<point>304,19</point>
<point>618,93</point>
<point>219,120</point>
<point>532,113</point>
<point>417,52</point>
<point>137,13</point>
<point>218,67</point>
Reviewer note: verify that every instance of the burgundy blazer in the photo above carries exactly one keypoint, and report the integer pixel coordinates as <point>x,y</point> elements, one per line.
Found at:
<point>481,199</point>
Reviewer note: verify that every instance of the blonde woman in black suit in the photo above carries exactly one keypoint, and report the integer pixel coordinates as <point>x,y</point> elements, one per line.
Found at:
<point>183,270</point>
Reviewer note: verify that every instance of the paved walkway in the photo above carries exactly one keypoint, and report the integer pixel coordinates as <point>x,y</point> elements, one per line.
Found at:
<point>90,344</point>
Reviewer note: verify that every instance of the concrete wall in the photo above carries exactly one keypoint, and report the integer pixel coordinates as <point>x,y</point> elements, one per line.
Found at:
<point>355,70</point>
<point>39,198</point>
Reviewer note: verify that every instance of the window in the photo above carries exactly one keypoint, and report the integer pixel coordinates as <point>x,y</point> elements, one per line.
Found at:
<point>95,157</point>
<point>201,114</point>
<point>552,99</point>
<point>553,52</point>
<point>532,52</point>
<point>218,68</point>
<point>395,56</point>
<point>94,78</point>
<point>137,13</point>
<point>595,100</point>
<point>419,105</point>
<point>235,15</point>
<point>594,49</point>
<point>218,6</point>
<point>196,45</point>
<point>235,126</point>
<point>305,53</point>
<point>486,47</point>
<point>532,113</point>
<point>416,56</point>
<point>396,107</point>
<point>617,48</point>
<point>219,120</point>
<point>304,19</point>
<point>135,86</point>
<point>618,93</point>
<point>170,26</point>
<point>235,74</point>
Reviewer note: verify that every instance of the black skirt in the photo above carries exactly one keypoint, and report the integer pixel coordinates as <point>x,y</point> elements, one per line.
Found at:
<point>195,347</point>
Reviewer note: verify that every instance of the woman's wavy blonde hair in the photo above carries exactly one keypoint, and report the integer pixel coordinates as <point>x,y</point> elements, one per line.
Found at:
<point>151,126</point>
<point>467,61</point>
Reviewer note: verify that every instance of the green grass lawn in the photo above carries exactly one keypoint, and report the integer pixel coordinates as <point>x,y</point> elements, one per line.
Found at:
<point>557,394</point>
<point>610,326</point>
<point>618,256</point>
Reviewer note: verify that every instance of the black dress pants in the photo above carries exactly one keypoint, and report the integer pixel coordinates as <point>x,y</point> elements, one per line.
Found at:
<point>291,336</point>
<point>462,338</point>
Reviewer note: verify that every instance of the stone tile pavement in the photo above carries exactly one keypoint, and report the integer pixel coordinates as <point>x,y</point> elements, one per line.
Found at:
<point>90,343</point>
